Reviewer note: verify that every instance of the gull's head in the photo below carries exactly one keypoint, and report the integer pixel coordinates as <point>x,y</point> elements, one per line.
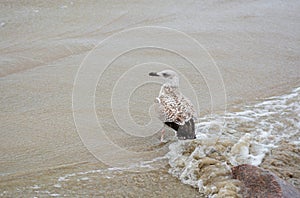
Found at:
<point>170,77</point>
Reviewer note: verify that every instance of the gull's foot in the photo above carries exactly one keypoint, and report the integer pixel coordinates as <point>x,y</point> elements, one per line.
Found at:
<point>162,140</point>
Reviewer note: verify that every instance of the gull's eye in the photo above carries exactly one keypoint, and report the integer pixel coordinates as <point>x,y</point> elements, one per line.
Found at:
<point>166,75</point>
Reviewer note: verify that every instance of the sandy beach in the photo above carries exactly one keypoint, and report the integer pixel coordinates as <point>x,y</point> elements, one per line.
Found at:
<point>248,51</point>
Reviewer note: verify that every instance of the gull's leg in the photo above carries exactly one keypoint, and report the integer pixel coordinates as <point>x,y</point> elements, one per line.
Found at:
<point>162,135</point>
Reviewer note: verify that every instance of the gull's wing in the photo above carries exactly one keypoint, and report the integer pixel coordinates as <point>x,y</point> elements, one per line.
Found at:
<point>175,107</point>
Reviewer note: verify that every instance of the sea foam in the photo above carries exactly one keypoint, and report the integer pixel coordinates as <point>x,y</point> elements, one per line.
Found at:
<point>234,138</point>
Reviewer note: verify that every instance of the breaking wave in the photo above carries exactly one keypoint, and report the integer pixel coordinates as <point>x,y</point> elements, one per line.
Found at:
<point>244,136</point>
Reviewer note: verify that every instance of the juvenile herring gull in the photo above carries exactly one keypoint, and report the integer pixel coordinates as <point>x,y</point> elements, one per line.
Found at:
<point>174,109</point>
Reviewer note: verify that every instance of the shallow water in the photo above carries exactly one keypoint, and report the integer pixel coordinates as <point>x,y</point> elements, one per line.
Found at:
<point>255,46</point>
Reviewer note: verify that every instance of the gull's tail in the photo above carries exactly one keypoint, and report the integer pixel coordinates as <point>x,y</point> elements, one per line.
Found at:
<point>186,131</point>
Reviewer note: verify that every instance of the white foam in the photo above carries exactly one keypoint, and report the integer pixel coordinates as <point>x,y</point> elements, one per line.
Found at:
<point>35,187</point>
<point>57,185</point>
<point>249,133</point>
<point>54,195</point>
<point>84,179</point>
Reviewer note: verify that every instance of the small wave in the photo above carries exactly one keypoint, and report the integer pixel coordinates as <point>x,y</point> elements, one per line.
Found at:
<point>234,138</point>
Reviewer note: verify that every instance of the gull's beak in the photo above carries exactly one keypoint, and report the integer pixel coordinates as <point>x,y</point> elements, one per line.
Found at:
<point>153,74</point>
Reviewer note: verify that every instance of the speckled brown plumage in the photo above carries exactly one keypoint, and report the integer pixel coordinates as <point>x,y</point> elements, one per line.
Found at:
<point>173,108</point>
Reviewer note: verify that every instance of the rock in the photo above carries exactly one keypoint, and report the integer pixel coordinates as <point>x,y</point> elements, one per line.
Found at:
<point>261,183</point>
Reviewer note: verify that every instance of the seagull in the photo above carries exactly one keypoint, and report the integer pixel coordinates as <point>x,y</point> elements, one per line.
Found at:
<point>173,108</point>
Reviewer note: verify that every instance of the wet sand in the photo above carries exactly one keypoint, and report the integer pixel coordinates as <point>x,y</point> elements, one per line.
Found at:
<point>255,45</point>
